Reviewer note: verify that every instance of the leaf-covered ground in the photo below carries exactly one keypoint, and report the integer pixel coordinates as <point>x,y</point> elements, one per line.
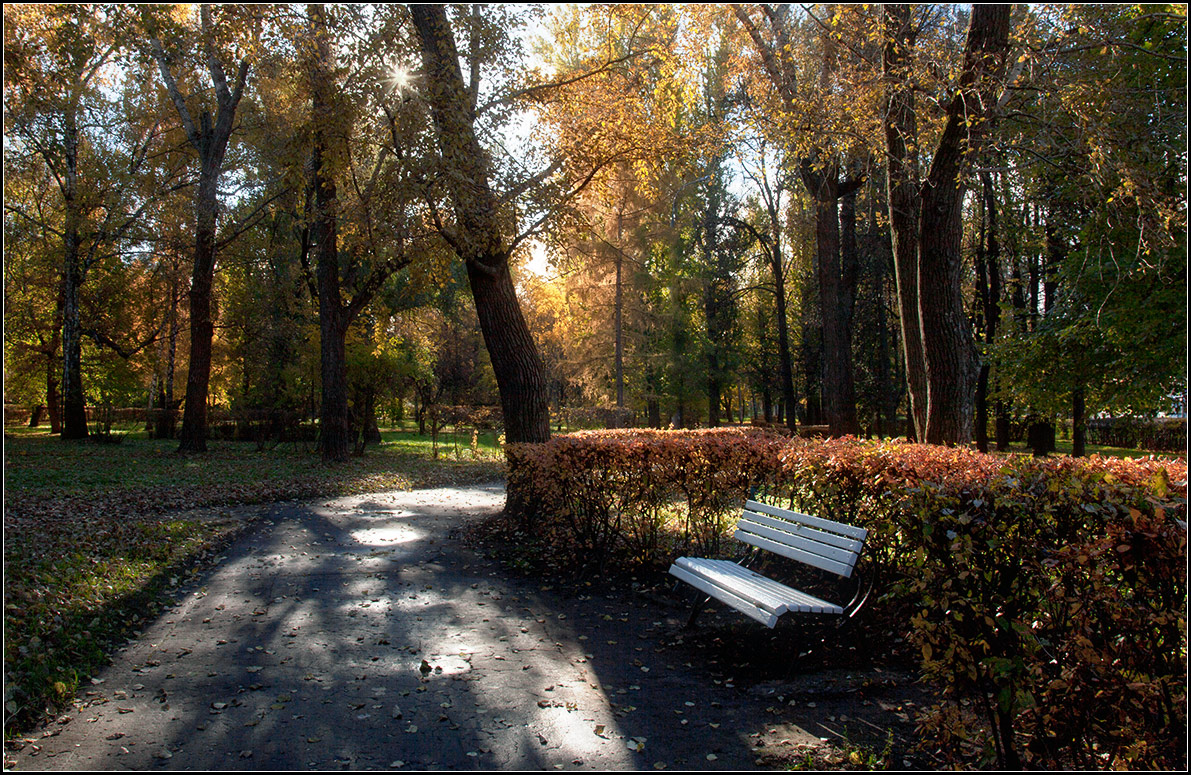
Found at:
<point>96,535</point>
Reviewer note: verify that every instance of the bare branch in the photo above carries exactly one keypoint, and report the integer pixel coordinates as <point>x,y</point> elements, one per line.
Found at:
<point>529,183</point>
<point>175,95</point>
<point>250,220</point>
<point>565,198</point>
<point>519,93</point>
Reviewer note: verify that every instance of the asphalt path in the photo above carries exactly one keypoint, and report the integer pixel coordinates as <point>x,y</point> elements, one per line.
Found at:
<point>363,633</point>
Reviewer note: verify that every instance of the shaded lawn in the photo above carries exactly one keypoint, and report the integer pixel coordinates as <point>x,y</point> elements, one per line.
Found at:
<point>1063,447</point>
<point>97,535</point>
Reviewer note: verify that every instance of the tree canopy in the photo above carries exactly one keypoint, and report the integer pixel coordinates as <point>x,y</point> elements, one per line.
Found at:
<point>907,220</point>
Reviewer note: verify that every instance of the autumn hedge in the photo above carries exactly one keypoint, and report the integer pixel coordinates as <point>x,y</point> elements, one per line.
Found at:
<point>1047,596</point>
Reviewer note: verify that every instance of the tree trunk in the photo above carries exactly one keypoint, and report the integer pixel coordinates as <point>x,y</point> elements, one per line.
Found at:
<point>74,406</point>
<point>477,234</point>
<point>785,362</point>
<point>51,395</point>
<point>210,139</point>
<point>334,437</point>
<point>951,361</point>
<point>1079,424</point>
<point>166,419</point>
<point>714,393</point>
<point>520,378</point>
<point>653,410</point>
<point>810,353</point>
<point>949,353</point>
<point>619,311</point>
<point>193,436</point>
<point>840,375</point>
<point>991,317</point>
<point>837,273</point>
<point>902,174</point>
<point>74,425</point>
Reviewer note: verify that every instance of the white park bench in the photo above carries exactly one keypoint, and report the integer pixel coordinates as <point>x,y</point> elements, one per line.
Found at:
<point>821,543</point>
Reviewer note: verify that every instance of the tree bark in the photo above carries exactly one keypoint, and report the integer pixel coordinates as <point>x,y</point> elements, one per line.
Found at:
<point>193,436</point>
<point>1079,423</point>
<point>929,219</point>
<point>785,362</point>
<point>837,275</point>
<point>477,234</point>
<point>983,323</point>
<point>619,309</point>
<point>210,139</point>
<point>902,175</point>
<point>334,436</point>
<point>51,396</point>
<point>74,406</point>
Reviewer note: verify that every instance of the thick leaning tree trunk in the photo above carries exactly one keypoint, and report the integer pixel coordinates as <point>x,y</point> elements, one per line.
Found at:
<point>952,364</point>
<point>477,234</point>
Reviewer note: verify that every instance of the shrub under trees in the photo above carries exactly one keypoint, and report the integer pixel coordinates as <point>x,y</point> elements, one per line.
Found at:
<point>1047,596</point>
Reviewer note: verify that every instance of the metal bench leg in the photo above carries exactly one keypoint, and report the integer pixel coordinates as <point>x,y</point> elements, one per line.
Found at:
<point>701,600</point>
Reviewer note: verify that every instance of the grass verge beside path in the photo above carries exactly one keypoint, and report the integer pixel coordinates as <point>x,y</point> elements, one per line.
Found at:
<point>96,536</point>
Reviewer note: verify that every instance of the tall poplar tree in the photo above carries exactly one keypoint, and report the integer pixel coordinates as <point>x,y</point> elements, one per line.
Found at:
<point>209,138</point>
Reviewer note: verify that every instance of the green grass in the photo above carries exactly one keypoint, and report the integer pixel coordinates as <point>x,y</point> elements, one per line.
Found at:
<point>1063,447</point>
<point>97,537</point>
<point>40,464</point>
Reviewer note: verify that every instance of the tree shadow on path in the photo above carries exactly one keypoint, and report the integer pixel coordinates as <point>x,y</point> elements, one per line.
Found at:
<point>359,633</point>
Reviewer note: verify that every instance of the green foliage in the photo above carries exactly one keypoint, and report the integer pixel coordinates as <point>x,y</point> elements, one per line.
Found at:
<point>1114,319</point>
<point>1026,581</point>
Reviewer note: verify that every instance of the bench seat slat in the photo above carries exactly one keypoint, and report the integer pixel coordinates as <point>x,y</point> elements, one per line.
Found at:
<point>797,528</point>
<point>719,593</point>
<point>793,599</point>
<point>824,524</point>
<point>807,543</point>
<point>768,594</point>
<point>794,553</point>
<point>760,589</point>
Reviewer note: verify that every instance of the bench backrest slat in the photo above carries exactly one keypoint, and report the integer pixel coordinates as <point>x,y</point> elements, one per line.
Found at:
<point>797,528</point>
<point>821,543</point>
<point>800,537</point>
<point>794,553</point>
<point>823,524</point>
